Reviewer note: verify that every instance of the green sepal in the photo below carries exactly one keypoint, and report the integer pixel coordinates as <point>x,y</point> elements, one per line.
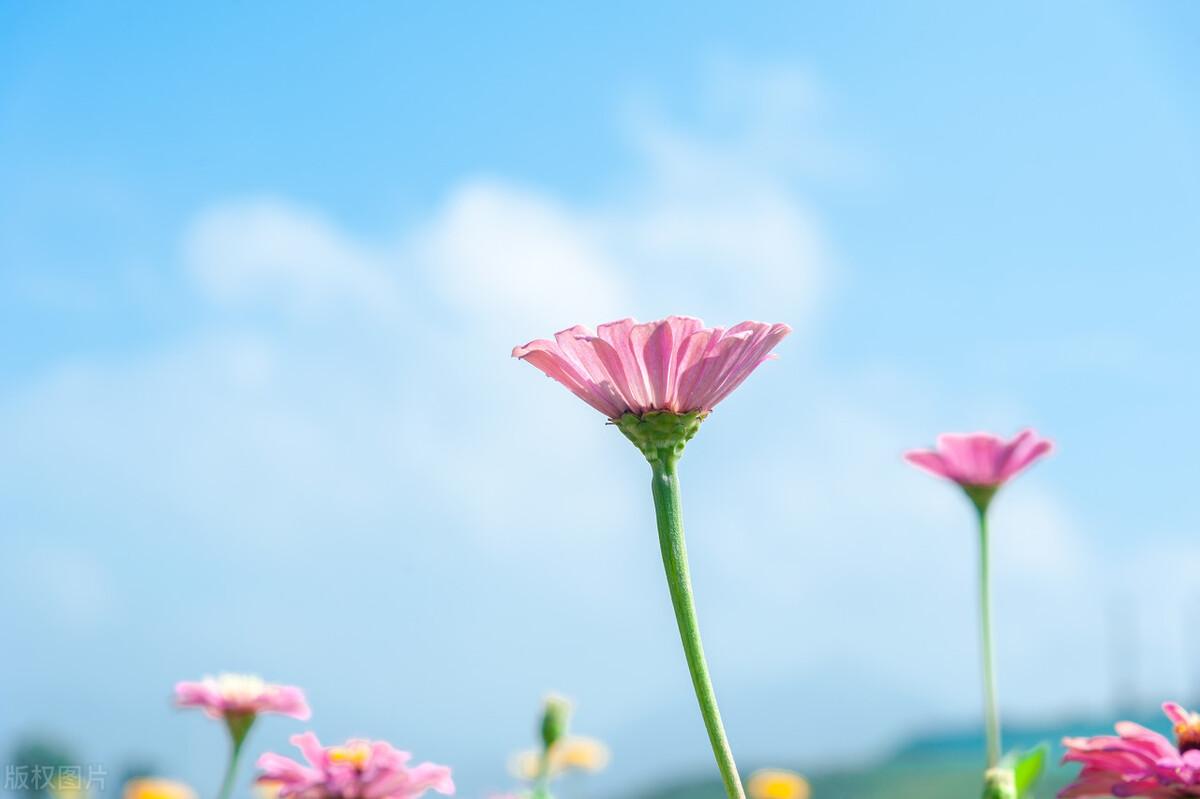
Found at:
<point>239,725</point>
<point>660,435</point>
<point>980,496</point>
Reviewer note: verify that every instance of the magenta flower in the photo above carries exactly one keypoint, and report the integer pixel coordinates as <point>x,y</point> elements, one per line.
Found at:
<point>358,769</point>
<point>241,695</point>
<point>980,459</point>
<point>1137,761</point>
<point>675,364</point>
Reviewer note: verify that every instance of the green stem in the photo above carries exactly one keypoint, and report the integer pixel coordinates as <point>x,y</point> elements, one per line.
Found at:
<point>991,714</point>
<point>541,785</point>
<point>231,771</point>
<point>669,513</point>
<point>239,725</point>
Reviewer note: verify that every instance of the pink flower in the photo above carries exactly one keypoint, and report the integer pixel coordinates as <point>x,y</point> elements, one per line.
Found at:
<point>357,769</point>
<point>675,364</point>
<point>241,695</point>
<point>1137,761</point>
<point>980,459</point>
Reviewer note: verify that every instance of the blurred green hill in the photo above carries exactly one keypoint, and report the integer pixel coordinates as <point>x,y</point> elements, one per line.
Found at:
<point>942,765</point>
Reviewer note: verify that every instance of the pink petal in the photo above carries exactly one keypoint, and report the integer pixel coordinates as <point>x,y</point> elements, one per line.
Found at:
<point>311,748</point>
<point>1175,712</point>
<point>928,460</point>
<point>674,364</point>
<point>619,336</point>
<point>1026,448</point>
<point>981,459</point>
<point>289,701</point>
<point>755,353</point>
<point>546,356</point>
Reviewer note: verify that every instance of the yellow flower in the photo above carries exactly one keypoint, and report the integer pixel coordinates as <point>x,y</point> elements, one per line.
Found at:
<point>67,786</point>
<point>578,752</point>
<point>267,789</point>
<point>154,788</point>
<point>778,784</point>
<point>572,753</point>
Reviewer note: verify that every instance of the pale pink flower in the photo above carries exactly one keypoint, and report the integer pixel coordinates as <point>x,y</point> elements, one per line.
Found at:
<point>1137,761</point>
<point>241,695</point>
<point>675,364</point>
<point>358,769</point>
<point>980,459</point>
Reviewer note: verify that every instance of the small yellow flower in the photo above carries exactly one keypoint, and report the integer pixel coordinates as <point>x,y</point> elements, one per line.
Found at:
<point>154,788</point>
<point>572,753</point>
<point>580,753</point>
<point>67,786</point>
<point>524,765</point>
<point>778,784</point>
<point>267,789</point>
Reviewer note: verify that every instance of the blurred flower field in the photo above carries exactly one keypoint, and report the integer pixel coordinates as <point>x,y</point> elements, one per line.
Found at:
<point>657,383</point>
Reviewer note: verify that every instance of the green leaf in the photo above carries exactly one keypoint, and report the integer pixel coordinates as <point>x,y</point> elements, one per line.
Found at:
<point>1029,767</point>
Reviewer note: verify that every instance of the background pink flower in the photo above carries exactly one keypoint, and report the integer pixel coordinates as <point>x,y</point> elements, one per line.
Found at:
<point>980,459</point>
<point>230,694</point>
<point>358,769</point>
<point>1137,761</point>
<point>675,364</point>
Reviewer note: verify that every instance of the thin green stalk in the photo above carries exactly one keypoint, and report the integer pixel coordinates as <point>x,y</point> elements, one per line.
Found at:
<point>231,772</point>
<point>541,784</point>
<point>669,513</point>
<point>991,714</point>
<point>239,725</point>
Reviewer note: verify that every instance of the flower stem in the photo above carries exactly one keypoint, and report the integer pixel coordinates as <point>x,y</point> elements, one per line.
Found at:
<point>669,513</point>
<point>231,771</point>
<point>991,714</point>
<point>239,725</point>
<point>541,783</point>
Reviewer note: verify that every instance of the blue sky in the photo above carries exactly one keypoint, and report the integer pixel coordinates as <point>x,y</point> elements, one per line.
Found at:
<point>261,268</point>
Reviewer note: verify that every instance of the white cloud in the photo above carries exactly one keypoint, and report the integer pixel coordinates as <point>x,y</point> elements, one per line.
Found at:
<point>271,250</point>
<point>708,225</point>
<point>496,250</point>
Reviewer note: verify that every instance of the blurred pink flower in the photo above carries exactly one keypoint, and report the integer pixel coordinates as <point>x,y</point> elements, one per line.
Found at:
<point>241,695</point>
<point>675,364</point>
<point>980,459</point>
<point>358,769</point>
<point>1137,761</point>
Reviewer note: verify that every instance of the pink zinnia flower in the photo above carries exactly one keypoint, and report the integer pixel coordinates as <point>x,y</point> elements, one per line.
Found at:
<point>241,695</point>
<point>980,459</point>
<point>358,769</point>
<point>675,364</point>
<point>1137,761</point>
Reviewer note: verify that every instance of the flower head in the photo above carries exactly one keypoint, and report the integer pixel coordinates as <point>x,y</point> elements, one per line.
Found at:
<point>357,769</point>
<point>1137,761</point>
<point>675,364</point>
<point>571,753</point>
<point>241,695</point>
<point>155,788</point>
<point>776,783</point>
<point>980,462</point>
